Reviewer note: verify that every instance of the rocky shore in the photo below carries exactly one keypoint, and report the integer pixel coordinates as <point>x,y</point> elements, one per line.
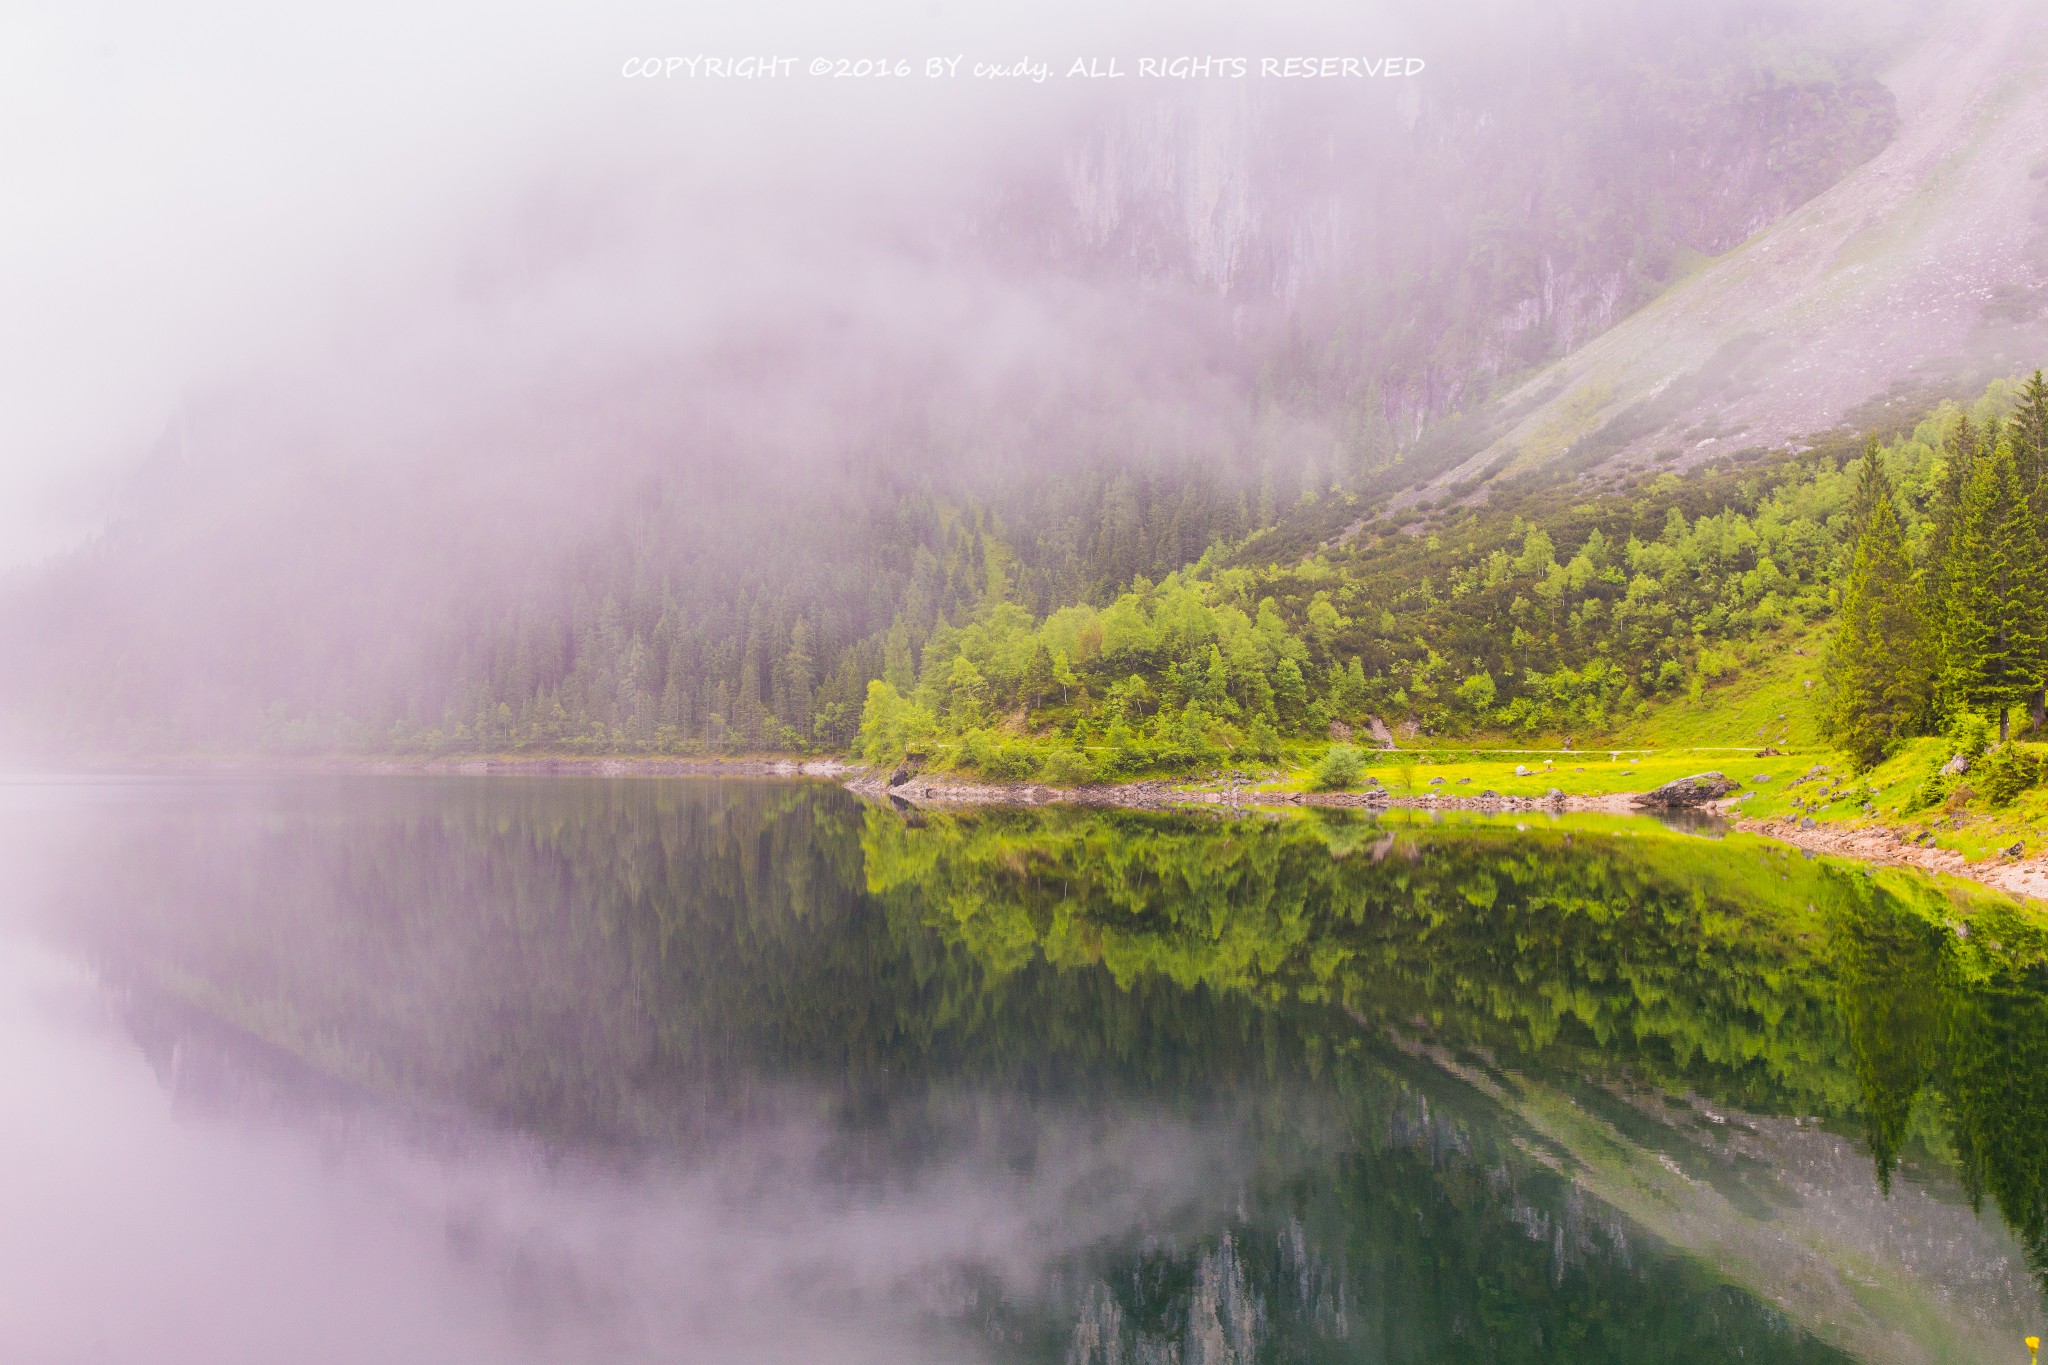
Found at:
<point>925,790</point>
<point>2018,877</point>
<point>1877,844</point>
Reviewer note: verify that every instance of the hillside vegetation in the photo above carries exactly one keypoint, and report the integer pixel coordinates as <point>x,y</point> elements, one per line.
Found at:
<point>1682,611</point>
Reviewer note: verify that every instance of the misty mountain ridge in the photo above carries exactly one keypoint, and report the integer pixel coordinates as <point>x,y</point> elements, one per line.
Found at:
<point>1118,336</point>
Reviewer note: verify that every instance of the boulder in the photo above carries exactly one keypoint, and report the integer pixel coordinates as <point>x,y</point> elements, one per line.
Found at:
<point>1521,771</point>
<point>901,775</point>
<point>1955,767</point>
<point>1696,790</point>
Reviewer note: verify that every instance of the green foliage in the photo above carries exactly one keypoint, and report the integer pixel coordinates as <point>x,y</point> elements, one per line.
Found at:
<point>1879,671</point>
<point>1968,734</point>
<point>1339,768</point>
<point>1996,584</point>
<point>892,726</point>
<point>1547,611</point>
<point>2006,772</point>
<point>1067,767</point>
<point>1477,692</point>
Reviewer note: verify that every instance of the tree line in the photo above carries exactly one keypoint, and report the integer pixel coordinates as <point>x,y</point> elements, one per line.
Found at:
<point>1945,614</point>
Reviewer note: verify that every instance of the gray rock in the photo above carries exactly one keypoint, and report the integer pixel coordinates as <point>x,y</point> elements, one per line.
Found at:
<point>1521,771</point>
<point>1696,790</point>
<point>1956,766</point>
<point>1806,822</point>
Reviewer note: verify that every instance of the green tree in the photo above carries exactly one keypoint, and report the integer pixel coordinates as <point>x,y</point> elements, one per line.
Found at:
<point>1477,692</point>
<point>799,676</point>
<point>2030,433</point>
<point>1040,676</point>
<point>1996,619</point>
<point>1959,457</point>
<point>1879,671</point>
<point>1341,766</point>
<point>1290,692</point>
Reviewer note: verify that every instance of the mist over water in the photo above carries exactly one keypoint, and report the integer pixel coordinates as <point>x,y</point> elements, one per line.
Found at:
<point>1053,395</point>
<point>642,1070</point>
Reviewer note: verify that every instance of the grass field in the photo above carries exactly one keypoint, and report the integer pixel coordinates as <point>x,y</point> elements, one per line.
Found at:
<point>1768,704</point>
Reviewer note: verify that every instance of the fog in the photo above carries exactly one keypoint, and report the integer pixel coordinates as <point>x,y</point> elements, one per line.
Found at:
<point>190,1213</point>
<point>228,191</point>
<point>341,343</point>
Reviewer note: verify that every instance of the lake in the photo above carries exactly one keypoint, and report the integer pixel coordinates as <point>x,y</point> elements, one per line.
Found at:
<point>618,1070</point>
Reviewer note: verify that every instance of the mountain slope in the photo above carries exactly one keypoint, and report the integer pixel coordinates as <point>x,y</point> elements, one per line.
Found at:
<point>1927,265</point>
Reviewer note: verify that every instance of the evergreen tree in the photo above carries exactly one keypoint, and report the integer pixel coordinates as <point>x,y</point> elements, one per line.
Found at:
<point>747,721</point>
<point>1040,677</point>
<point>1878,671</point>
<point>799,671</point>
<point>1996,637</point>
<point>1959,459</point>
<point>2030,433</point>
<point>1872,484</point>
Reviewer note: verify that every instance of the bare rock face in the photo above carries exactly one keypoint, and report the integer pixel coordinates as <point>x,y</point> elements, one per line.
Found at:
<point>1339,731</point>
<point>1696,790</point>
<point>1381,735</point>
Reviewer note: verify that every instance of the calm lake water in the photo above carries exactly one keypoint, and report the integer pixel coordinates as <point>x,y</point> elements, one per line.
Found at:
<point>510,1070</point>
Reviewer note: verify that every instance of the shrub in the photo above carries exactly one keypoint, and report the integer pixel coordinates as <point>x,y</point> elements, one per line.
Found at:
<point>1932,792</point>
<point>989,755</point>
<point>1067,768</point>
<point>1262,740</point>
<point>1339,768</point>
<point>1969,734</point>
<point>2007,771</point>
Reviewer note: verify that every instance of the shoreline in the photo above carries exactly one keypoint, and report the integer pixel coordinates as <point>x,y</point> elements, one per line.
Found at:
<point>1164,793</point>
<point>1883,845</point>
<point>1875,844</point>
<point>554,765</point>
<point>2024,878</point>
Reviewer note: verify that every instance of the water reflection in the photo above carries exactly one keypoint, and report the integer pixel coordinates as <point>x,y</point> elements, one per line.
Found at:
<point>752,1071</point>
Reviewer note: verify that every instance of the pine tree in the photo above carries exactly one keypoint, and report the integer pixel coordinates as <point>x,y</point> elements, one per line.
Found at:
<point>747,721</point>
<point>2030,434</point>
<point>799,674</point>
<point>1040,678</point>
<point>1937,590</point>
<point>1879,673</point>
<point>1996,637</point>
<point>1872,484</point>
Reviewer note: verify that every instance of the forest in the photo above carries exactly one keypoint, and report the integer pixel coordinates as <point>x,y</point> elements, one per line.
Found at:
<point>1169,621</point>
